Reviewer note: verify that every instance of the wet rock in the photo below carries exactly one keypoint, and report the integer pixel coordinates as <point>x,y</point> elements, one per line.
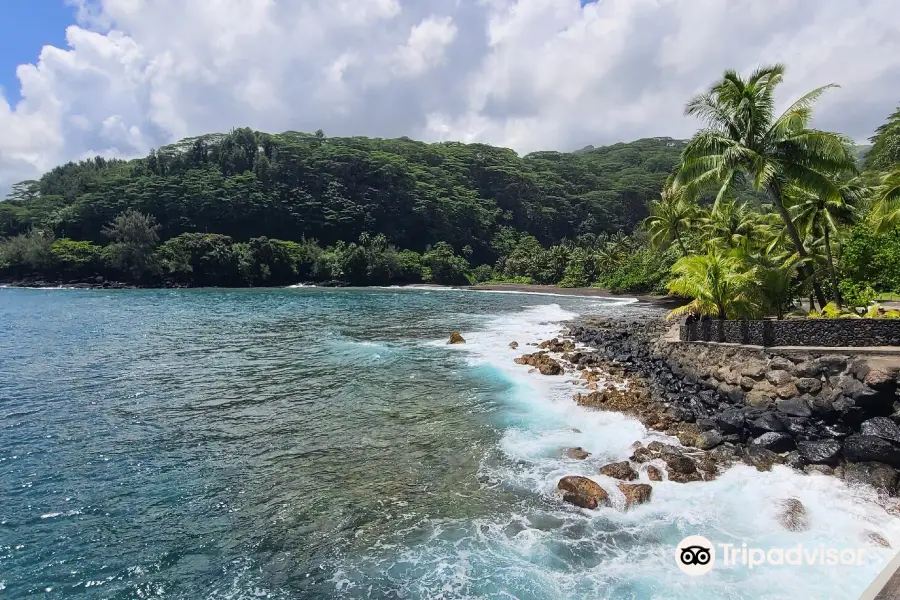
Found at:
<point>775,441</point>
<point>818,470</point>
<point>808,385</point>
<point>730,421</point>
<point>880,476</point>
<point>456,338</point>
<point>881,427</point>
<point>620,470</point>
<point>794,407</point>
<point>555,345</point>
<point>876,539</point>
<point>654,474</point>
<point>641,455</point>
<point>766,423</point>
<point>724,453</point>
<point>761,458</point>
<point>543,363</point>
<point>792,515</point>
<point>794,460</point>
<point>582,492</point>
<point>778,378</point>
<point>864,448</point>
<point>635,493</point>
<point>514,345</point>
<point>708,440</point>
<point>681,469</point>
<point>578,453</point>
<point>825,452</point>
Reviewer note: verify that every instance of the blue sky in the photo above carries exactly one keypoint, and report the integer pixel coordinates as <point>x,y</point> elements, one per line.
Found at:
<point>25,27</point>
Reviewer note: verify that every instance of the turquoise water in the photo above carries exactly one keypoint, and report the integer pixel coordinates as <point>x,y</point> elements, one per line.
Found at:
<point>309,443</point>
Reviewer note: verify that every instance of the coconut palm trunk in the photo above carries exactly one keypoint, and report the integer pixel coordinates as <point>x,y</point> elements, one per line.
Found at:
<point>775,194</point>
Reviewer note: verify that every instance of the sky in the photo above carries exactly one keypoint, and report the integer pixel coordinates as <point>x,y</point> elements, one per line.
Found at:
<point>82,78</point>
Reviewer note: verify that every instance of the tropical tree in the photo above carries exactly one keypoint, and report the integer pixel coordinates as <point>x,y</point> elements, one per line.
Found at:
<point>823,216</point>
<point>669,217</point>
<point>744,140</point>
<point>719,283</point>
<point>775,281</point>
<point>134,237</point>
<point>886,211</point>
<point>733,224</point>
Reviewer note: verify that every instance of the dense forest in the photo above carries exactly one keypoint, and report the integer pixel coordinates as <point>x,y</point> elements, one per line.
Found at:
<point>752,212</point>
<point>328,201</point>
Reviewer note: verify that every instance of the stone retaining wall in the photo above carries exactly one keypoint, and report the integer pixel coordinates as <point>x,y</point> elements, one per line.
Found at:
<point>796,332</point>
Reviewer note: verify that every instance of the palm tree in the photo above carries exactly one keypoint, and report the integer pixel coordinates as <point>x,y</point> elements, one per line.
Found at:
<point>886,212</point>
<point>733,225</point>
<point>744,139</point>
<point>823,216</point>
<point>775,281</point>
<point>669,217</point>
<point>719,284</point>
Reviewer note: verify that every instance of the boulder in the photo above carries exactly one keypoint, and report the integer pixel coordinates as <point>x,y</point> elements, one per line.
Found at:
<point>882,374</point>
<point>578,453</point>
<point>555,345</point>
<point>620,470</point>
<point>730,421</point>
<point>881,427</point>
<point>779,378</point>
<point>775,441</point>
<point>761,458</point>
<point>681,469</point>
<point>794,407</point>
<point>808,385</point>
<point>880,476</point>
<point>808,369</point>
<point>788,390</point>
<point>641,455</point>
<point>582,492</point>
<point>760,399</point>
<point>456,338</point>
<point>543,363</point>
<point>792,515</point>
<point>708,440</point>
<point>635,493</point>
<point>818,470</point>
<point>754,369</point>
<point>654,474</point>
<point>766,423</point>
<point>747,383</point>
<point>825,452</point>
<point>514,345</point>
<point>864,448</point>
<point>781,363</point>
<point>794,460</point>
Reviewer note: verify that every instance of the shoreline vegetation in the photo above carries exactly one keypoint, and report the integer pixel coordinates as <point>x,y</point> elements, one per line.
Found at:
<point>756,211</point>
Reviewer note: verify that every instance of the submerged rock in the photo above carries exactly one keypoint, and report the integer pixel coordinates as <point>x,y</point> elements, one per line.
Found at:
<point>620,470</point>
<point>654,474</point>
<point>681,469</point>
<point>578,453</point>
<point>880,476</point>
<point>792,515</point>
<point>582,492</point>
<point>876,539</point>
<point>514,345</point>
<point>761,458</point>
<point>456,338</point>
<point>635,493</point>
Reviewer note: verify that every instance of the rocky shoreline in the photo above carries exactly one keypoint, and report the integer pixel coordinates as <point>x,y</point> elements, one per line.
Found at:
<point>819,414</point>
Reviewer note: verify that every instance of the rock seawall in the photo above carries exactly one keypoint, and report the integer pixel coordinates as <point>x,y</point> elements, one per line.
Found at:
<point>827,413</point>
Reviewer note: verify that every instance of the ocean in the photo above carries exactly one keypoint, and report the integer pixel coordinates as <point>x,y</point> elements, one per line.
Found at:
<point>317,443</point>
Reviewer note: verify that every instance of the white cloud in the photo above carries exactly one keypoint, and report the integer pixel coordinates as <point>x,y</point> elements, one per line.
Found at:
<point>526,74</point>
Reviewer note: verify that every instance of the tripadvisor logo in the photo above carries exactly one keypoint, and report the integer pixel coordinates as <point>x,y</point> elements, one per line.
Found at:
<point>695,555</point>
